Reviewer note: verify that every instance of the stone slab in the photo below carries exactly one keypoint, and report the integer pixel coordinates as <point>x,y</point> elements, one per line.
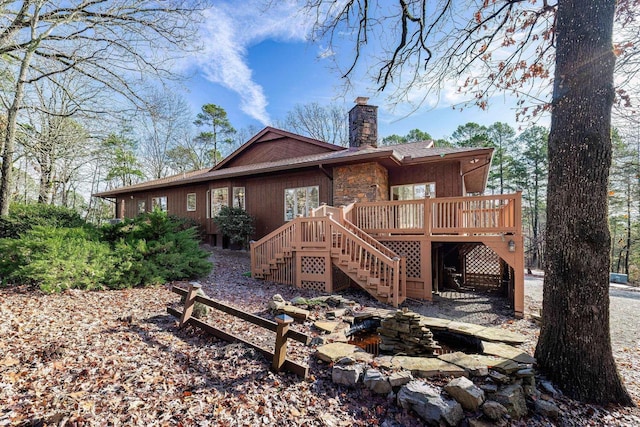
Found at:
<point>435,323</point>
<point>326,326</point>
<point>465,328</point>
<point>426,367</point>
<point>500,335</point>
<point>508,352</point>
<point>479,364</point>
<point>336,351</point>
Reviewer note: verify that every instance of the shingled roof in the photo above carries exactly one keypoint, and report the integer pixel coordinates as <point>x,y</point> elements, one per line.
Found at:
<point>411,153</point>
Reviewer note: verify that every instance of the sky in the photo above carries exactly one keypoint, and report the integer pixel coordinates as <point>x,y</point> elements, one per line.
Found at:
<point>257,64</point>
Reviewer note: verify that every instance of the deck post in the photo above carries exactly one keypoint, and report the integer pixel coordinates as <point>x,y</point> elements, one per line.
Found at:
<point>189,303</point>
<point>280,351</point>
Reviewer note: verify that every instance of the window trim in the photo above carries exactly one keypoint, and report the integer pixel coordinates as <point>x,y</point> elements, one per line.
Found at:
<point>215,211</point>
<point>164,208</point>
<point>243,195</point>
<point>428,193</point>
<point>195,204</point>
<point>308,208</point>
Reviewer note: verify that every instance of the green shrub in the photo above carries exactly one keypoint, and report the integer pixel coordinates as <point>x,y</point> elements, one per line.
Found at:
<point>152,249</point>
<point>23,217</point>
<point>56,259</point>
<point>157,248</point>
<point>235,223</point>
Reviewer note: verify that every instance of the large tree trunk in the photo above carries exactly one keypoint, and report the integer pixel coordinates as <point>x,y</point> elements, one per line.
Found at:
<point>10,135</point>
<point>574,346</point>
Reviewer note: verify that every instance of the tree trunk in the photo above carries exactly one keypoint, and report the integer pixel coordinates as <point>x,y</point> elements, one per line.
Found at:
<point>10,135</point>
<point>575,346</point>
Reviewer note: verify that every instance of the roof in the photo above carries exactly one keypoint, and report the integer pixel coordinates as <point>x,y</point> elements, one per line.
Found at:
<point>411,153</point>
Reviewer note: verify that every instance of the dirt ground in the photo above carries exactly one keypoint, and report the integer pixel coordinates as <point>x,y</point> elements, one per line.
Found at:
<point>117,358</point>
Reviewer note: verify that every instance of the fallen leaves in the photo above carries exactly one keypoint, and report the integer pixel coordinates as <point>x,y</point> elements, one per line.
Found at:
<point>117,358</point>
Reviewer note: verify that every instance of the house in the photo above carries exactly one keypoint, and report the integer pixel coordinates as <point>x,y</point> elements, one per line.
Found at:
<point>400,221</point>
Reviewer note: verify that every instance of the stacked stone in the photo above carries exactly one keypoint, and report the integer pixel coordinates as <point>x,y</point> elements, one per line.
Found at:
<point>402,333</point>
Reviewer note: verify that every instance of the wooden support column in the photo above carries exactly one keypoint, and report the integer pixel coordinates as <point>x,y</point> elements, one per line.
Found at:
<point>280,351</point>
<point>189,303</point>
<point>427,269</point>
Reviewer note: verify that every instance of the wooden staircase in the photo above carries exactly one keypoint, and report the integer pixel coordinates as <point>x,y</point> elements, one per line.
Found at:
<point>303,251</point>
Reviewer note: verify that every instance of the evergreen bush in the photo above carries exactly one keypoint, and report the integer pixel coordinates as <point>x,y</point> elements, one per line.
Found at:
<point>23,217</point>
<point>151,249</point>
<point>236,224</point>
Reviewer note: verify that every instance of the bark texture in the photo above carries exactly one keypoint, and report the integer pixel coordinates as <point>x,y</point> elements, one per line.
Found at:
<point>575,346</point>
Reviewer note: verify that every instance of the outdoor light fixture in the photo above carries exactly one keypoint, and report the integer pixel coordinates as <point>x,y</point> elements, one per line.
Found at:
<point>512,246</point>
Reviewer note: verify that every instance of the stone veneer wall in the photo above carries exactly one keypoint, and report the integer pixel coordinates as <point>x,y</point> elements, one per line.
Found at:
<point>365,182</point>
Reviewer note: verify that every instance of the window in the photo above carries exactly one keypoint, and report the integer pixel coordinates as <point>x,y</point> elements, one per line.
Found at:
<point>160,203</point>
<point>219,198</point>
<point>238,197</point>
<point>191,202</point>
<point>300,201</point>
<point>142,206</point>
<point>208,203</point>
<point>413,191</point>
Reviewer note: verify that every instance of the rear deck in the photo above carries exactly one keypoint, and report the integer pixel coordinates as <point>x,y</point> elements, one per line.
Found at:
<point>401,249</point>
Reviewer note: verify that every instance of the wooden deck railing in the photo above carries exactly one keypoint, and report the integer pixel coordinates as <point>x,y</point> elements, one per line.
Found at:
<point>494,214</point>
<point>476,215</point>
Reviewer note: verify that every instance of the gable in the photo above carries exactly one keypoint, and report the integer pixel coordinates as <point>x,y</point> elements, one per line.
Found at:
<point>272,145</point>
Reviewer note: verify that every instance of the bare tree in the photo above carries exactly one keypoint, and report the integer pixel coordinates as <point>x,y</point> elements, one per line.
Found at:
<point>165,124</point>
<point>113,42</point>
<point>323,122</point>
<point>483,47</point>
<point>52,139</point>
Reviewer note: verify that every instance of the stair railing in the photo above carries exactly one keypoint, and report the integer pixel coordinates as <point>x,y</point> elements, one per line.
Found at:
<point>367,257</point>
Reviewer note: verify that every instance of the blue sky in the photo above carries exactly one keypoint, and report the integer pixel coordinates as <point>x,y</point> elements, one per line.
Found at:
<point>257,65</point>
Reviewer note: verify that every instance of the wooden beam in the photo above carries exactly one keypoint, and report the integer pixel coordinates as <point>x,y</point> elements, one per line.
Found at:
<point>251,318</point>
<point>287,365</point>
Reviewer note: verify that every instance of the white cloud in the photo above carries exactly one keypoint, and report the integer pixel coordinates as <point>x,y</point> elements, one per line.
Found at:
<point>229,30</point>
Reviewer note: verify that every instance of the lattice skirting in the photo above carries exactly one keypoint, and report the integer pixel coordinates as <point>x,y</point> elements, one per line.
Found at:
<point>340,279</point>
<point>314,286</point>
<point>410,250</point>
<point>313,264</point>
<point>483,268</point>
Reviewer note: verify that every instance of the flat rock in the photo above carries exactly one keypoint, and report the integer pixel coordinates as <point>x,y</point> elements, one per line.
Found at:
<point>400,378</point>
<point>479,364</point>
<point>512,398</point>
<point>348,375</point>
<point>508,352</point>
<point>426,367</point>
<point>326,326</point>
<point>336,351</point>
<point>494,410</point>
<point>500,335</point>
<point>426,401</point>
<point>435,322</point>
<point>465,328</point>
<point>376,382</point>
<point>466,393</point>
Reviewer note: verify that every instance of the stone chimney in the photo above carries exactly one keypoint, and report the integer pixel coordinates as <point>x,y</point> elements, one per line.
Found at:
<point>363,124</point>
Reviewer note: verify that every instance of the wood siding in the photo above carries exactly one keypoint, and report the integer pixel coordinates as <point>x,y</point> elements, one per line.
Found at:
<point>274,147</point>
<point>176,201</point>
<point>446,175</point>
<point>265,196</point>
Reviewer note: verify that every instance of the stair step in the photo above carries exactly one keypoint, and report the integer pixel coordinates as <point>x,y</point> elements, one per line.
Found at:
<point>373,282</point>
<point>363,274</point>
<point>353,266</point>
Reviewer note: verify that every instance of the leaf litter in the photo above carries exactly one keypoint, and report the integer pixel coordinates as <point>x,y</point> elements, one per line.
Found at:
<point>116,358</point>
